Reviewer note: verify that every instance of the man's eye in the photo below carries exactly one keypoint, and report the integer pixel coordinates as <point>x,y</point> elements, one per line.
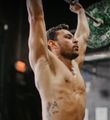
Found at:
<point>68,36</point>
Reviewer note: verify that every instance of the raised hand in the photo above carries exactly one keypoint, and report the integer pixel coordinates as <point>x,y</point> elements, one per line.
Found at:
<point>75,7</point>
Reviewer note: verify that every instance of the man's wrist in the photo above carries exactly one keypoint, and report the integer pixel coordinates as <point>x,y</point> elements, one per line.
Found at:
<point>81,10</point>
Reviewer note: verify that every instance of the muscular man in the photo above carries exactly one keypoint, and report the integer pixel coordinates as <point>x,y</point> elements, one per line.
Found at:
<point>56,57</point>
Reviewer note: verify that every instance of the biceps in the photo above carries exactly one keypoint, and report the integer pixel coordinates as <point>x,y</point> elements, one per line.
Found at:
<point>82,50</point>
<point>37,28</point>
<point>37,39</point>
<point>34,57</point>
<point>37,50</point>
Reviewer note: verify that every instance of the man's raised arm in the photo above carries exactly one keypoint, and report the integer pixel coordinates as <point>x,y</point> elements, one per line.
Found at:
<point>37,35</point>
<point>82,31</point>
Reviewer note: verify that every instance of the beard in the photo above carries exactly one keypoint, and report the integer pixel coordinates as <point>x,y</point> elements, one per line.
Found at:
<point>69,55</point>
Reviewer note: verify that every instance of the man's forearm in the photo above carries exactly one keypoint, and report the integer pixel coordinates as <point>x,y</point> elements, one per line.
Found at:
<point>82,26</point>
<point>35,8</point>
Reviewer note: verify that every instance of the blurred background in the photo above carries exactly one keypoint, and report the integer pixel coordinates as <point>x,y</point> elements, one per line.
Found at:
<point>19,99</point>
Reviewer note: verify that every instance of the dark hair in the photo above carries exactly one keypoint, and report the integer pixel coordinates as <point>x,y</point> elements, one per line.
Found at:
<point>51,33</point>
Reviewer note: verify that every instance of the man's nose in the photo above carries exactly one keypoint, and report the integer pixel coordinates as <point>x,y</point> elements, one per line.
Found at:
<point>75,41</point>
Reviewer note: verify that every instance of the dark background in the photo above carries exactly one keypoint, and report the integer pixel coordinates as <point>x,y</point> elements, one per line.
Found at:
<point>19,98</point>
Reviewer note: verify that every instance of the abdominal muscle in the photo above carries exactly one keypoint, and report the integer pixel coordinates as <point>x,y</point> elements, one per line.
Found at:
<point>64,106</point>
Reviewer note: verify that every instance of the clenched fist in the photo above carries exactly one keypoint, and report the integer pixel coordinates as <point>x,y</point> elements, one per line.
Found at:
<point>75,7</point>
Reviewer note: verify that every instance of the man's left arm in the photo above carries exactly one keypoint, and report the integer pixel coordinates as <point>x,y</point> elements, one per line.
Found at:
<point>82,32</point>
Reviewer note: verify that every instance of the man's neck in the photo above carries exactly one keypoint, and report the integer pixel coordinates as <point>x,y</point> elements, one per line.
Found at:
<point>67,62</point>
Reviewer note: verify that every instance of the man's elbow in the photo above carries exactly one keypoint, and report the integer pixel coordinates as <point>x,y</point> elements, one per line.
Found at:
<point>86,35</point>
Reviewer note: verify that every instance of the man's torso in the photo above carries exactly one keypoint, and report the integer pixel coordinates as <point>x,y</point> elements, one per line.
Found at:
<point>62,91</point>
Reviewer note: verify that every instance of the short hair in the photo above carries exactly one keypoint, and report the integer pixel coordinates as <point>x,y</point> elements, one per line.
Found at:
<point>51,33</point>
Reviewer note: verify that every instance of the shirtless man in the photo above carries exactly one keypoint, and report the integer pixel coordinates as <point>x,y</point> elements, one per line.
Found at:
<point>57,69</point>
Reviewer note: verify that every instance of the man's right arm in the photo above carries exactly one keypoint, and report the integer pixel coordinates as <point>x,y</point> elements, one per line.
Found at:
<point>37,34</point>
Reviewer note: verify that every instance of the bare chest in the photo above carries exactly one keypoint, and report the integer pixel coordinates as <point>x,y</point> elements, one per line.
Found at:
<point>62,81</point>
<point>69,80</point>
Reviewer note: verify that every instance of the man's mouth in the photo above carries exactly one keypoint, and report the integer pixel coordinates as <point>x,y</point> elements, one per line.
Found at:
<point>76,48</point>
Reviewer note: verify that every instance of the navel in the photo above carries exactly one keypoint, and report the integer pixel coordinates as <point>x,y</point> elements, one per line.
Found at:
<point>67,81</point>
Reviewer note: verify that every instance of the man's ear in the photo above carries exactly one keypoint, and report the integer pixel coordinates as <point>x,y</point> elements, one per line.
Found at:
<point>52,44</point>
